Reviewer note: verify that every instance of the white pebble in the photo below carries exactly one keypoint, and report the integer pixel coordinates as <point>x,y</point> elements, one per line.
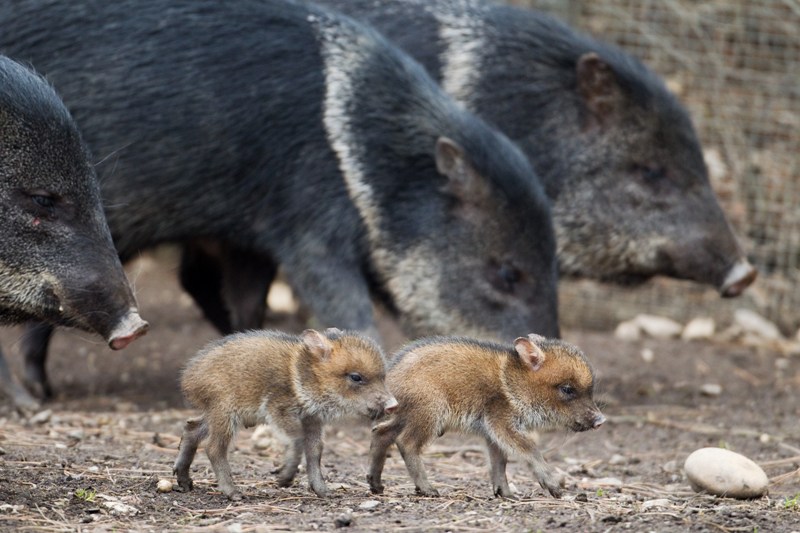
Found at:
<point>628,331</point>
<point>660,502</point>
<point>41,417</point>
<point>699,329</point>
<point>711,389</point>
<point>617,459</point>
<point>658,327</point>
<point>648,355</point>
<point>369,504</point>
<point>752,322</point>
<point>725,473</point>
<point>164,485</point>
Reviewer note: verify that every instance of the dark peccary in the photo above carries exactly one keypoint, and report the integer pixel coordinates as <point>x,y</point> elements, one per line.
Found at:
<point>616,150</point>
<point>497,391</point>
<point>290,134</point>
<point>57,261</point>
<point>296,384</point>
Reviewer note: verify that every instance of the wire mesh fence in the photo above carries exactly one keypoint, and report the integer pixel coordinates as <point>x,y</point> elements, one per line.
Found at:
<point>736,66</point>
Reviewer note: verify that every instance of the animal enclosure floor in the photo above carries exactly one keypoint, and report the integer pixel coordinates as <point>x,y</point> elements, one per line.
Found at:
<point>92,463</point>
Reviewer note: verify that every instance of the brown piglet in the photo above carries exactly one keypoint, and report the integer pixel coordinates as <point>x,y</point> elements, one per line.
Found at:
<point>294,383</point>
<point>497,391</point>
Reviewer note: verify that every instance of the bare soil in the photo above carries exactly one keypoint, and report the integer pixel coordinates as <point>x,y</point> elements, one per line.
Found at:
<point>92,463</point>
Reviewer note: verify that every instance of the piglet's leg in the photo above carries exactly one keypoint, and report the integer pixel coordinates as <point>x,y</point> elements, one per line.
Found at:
<point>217,451</point>
<point>194,431</point>
<point>291,460</point>
<point>383,435</point>
<point>312,435</point>
<point>497,462</point>
<point>410,451</point>
<point>519,443</point>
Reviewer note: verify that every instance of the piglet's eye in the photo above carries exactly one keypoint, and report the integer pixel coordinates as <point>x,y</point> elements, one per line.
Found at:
<point>567,391</point>
<point>355,377</point>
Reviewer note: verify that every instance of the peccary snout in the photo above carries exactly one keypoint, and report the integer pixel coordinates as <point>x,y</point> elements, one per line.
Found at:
<point>739,277</point>
<point>129,328</point>
<point>390,406</point>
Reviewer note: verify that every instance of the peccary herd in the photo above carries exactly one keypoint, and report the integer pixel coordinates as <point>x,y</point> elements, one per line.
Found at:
<point>445,160</point>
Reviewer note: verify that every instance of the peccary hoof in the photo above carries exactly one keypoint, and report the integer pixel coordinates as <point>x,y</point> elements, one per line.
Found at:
<point>374,488</point>
<point>430,493</point>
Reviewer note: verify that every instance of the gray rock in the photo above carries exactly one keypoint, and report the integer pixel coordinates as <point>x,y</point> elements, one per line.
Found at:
<point>725,473</point>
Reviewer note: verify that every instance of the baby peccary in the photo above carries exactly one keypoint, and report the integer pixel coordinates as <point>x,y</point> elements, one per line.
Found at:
<point>496,391</point>
<point>295,383</point>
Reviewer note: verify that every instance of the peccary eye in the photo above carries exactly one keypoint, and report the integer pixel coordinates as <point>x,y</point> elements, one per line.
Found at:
<point>504,277</point>
<point>650,174</point>
<point>44,201</point>
<point>355,377</point>
<point>567,391</point>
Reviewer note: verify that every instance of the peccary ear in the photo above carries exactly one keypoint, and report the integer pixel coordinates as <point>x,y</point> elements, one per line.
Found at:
<point>598,86</point>
<point>316,343</point>
<point>529,352</point>
<point>463,181</point>
<point>333,331</point>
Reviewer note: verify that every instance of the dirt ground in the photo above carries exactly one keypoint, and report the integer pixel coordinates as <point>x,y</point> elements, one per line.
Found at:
<point>91,461</point>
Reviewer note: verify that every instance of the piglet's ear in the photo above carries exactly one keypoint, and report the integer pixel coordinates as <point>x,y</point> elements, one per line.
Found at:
<point>316,343</point>
<point>598,86</point>
<point>463,181</point>
<point>529,352</point>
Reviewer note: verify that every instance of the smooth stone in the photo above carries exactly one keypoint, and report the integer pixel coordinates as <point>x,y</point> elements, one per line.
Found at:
<point>658,327</point>
<point>628,331</point>
<point>369,504</point>
<point>711,389</point>
<point>164,485</point>
<point>699,329</point>
<point>725,473</point>
<point>752,322</point>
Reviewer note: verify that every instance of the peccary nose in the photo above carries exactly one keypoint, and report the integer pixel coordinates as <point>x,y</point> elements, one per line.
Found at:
<point>390,406</point>
<point>599,420</point>
<point>129,328</point>
<point>740,276</point>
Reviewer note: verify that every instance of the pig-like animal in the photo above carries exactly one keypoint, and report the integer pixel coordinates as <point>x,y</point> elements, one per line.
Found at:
<point>57,261</point>
<point>295,384</point>
<point>497,391</point>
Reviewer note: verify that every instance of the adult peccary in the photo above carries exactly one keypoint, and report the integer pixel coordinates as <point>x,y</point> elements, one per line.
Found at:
<point>290,133</point>
<point>616,150</point>
<point>57,261</point>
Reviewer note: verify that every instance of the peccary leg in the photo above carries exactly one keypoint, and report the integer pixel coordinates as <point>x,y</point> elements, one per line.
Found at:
<point>194,431</point>
<point>410,451</point>
<point>383,435</point>
<point>201,276</point>
<point>526,447</point>
<point>292,457</point>
<point>312,435</point>
<point>548,478</point>
<point>18,395</point>
<point>33,345</point>
<point>497,465</point>
<point>246,278</point>
<point>217,450</point>
<point>229,285</point>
